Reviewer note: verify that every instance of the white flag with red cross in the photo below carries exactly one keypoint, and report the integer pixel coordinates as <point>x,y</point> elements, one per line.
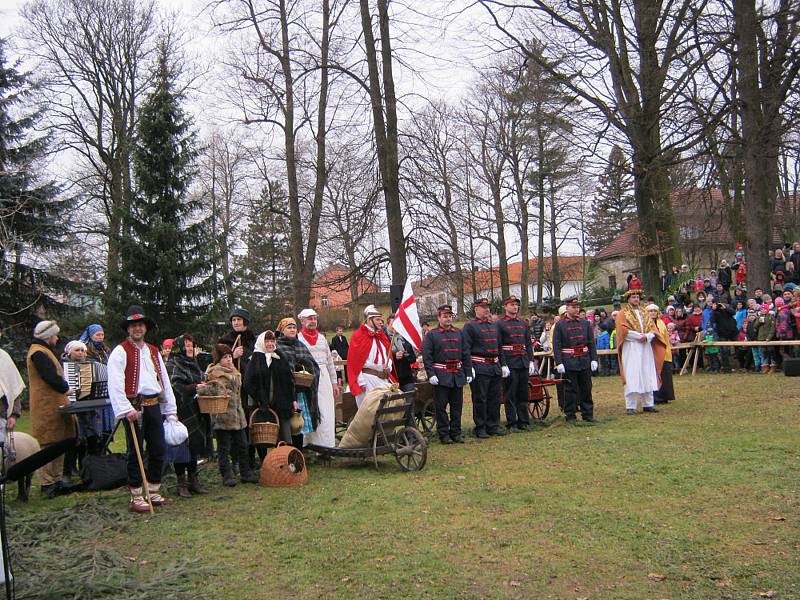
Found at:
<point>406,322</point>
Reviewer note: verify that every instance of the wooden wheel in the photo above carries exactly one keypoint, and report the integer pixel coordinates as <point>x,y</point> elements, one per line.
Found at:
<point>410,449</point>
<point>538,409</point>
<point>426,418</point>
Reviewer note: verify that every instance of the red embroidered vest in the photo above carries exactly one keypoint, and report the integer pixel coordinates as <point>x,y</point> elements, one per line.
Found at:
<point>132,367</point>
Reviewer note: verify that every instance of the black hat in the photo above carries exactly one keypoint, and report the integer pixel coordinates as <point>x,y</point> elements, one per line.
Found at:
<point>445,309</point>
<point>240,312</point>
<point>134,315</point>
<point>511,299</point>
<point>481,302</point>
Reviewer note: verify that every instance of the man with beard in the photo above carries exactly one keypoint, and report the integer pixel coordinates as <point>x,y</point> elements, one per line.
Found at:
<point>141,396</point>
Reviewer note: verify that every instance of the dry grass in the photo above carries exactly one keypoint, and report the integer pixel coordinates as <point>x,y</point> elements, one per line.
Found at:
<point>684,504</point>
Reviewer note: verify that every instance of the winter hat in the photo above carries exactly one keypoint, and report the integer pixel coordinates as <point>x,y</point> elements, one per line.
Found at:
<point>779,301</point>
<point>74,345</point>
<point>220,351</point>
<point>652,307</point>
<point>45,329</point>
<point>307,312</point>
<point>243,313</point>
<point>168,343</point>
<point>765,306</point>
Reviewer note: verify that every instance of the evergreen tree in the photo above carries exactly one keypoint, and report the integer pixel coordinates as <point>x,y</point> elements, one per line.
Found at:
<point>265,282</point>
<point>613,206</point>
<point>166,253</point>
<point>32,211</point>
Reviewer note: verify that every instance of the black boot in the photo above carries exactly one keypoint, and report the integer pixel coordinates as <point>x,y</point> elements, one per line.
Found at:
<point>228,478</point>
<point>183,487</point>
<point>195,486</point>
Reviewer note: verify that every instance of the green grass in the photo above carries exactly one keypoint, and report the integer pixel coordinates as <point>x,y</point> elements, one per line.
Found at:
<point>682,504</point>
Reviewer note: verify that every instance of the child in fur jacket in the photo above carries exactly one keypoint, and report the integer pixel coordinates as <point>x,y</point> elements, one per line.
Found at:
<point>229,427</point>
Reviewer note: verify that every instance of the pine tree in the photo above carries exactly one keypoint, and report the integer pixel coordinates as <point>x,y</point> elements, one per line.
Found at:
<point>265,283</point>
<point>614,205</point>
<point>32,211</point>
<point>166,255</point>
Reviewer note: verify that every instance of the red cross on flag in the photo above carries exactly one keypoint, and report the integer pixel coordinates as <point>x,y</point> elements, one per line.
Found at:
<point>406,321</point>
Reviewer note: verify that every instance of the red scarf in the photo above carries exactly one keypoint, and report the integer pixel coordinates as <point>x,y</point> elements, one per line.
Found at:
<point>360,346</point>
<point>311,335</point>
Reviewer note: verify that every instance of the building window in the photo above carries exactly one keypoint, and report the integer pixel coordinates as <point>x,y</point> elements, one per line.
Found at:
<point>612,282</point>
<point>324,301</point>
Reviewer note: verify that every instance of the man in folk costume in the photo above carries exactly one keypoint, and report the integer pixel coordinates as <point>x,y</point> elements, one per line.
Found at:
<point>640,353</point>
<point>449,368</point>
<point>48,393</point>
<point>516,360</point>
<point>328,388</point>
<point>480,342</point>
<point>575,357</point>
<point>141,396</point>
<point>369,360</point>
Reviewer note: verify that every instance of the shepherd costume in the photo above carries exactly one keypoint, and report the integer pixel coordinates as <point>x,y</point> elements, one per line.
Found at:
<point>369,360</point>
<point>639,363</point>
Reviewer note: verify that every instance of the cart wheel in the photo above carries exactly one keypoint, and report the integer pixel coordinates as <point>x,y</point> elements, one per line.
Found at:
<point>426,418</point>
<point>411,449</point>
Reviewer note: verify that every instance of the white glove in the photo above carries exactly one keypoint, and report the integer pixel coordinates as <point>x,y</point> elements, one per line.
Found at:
<point>650,336</point>
<point>473,373</point>
<point>505,371</point>
<point>469,380</point>
<point>561,369</point>
<point>433,380</point>
<point>594,365</point>
<point>532,369</point>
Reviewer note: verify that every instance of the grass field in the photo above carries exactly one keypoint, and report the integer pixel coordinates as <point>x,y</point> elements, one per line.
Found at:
<point>698,501</point>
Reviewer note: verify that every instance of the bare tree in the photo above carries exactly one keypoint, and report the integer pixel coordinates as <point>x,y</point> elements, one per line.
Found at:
<point>93,56</point>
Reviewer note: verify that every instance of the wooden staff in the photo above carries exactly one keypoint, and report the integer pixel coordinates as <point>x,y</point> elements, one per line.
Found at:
<point>238,342</point>
<point>145,487</point>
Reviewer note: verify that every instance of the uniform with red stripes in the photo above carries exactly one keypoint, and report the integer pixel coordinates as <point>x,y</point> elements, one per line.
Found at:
<point>481,342</point>
<point>516,364</point>
<point>575,357</point>
<point>449,368</point>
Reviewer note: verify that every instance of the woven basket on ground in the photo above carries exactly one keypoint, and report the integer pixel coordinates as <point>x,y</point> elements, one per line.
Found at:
<point>303,379</point>
<point>264,432</point>
<point>212,405</point>
<point>284,466</point>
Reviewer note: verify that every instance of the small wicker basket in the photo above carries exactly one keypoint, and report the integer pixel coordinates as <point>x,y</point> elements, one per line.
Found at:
<point>212,405</point>
<point>303,379</point>
<point>283,467</point>
<point>264,432</point>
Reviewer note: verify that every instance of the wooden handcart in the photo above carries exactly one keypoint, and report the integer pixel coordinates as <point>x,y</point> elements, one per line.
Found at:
<point>539,396</point>
<point>391,434</point>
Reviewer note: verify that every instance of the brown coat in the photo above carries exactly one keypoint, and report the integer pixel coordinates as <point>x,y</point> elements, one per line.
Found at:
<point>49,425</point>
<point>223,381</point>
<point>624,326</point>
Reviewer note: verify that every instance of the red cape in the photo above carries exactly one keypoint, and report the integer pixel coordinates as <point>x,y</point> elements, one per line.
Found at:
<point>360,345</point>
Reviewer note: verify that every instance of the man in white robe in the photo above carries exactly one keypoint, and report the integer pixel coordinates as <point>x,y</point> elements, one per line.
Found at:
<point>328,390</point>
<point>640,354</point>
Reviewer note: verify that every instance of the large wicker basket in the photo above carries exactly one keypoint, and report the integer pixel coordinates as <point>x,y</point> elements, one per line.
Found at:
<point>303,379</point>
<point>264,432</point>
<point>212,405</point>
<point>284,466</point>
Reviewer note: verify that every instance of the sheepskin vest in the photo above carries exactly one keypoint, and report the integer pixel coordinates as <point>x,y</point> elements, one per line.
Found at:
<point>49,425</point>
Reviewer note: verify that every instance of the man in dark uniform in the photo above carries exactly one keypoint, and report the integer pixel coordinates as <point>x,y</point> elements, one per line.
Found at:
<point>575,357</point>
<point>480,341</point>
<point>448,366</point>
<point>516,360</point>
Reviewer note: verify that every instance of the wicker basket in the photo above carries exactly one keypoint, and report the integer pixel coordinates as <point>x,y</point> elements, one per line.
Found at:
<point>264,432</point>
<point>212,405</point>
<point>303,379</point>
<point>284,467</point>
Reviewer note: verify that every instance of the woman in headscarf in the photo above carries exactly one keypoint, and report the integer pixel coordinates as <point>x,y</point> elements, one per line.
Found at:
<point>94,338</point>
<point>269,382</point>
<point>186,379</point>
<point>300,359</point>
<point>666,392</point>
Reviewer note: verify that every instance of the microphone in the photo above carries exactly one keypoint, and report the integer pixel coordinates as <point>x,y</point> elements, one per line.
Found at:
<point>39,459</point>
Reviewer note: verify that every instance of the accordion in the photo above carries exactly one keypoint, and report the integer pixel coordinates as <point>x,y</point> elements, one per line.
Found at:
<point>88,379</point>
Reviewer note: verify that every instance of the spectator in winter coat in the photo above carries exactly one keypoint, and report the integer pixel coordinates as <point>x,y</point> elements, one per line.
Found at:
<point>707,314</point>
<point>692,325</point>
<point>740,315</point>
<point>722,295</point>
<point>751,333</point>
<point>784,328</point>
<point>765,332</point>
<point>724,324</point>
<point>724,275</point>
<point>778,262</point>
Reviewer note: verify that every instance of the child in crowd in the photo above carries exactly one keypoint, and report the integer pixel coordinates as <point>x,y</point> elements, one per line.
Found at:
<point>229,427</point>
<point>765,332</point>
<point>674,340</point>
<point>712,352</point>
<point>783,326</point>
<point>751,332</point>
<point>603,342</point>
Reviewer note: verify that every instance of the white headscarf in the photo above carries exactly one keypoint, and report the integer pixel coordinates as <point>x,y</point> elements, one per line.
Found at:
<point>11,383</point>
<point>261,347</point>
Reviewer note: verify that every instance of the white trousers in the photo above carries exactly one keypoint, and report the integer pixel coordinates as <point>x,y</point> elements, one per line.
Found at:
<point>632,399</point>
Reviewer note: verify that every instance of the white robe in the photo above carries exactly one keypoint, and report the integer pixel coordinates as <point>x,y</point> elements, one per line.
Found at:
<point>378,359</point>
<point>639,363</point>
<point>325,434</point>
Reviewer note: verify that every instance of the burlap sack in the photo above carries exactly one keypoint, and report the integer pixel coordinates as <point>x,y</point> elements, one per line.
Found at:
<point>360,428</point>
